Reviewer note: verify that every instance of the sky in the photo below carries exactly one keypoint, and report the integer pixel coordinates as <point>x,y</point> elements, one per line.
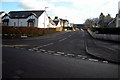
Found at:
<point>76,11</point>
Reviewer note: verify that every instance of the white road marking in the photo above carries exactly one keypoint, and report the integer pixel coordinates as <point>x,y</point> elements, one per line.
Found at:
<point>62,39</point>
<point>30,49</point>
<point>82,30</point>
<point>70,54</point>
<point>42,50</point>
<point>60,52</point>
<point>105,61</point>
<point>45,52</point>
<point>48,44</point>
<point>35,48</point>
<point>57,54</point>
<point>79,55</point>
<point>51,51</point>
<point>95,60</point>
<point>38,47</point>
<point>84,56</point>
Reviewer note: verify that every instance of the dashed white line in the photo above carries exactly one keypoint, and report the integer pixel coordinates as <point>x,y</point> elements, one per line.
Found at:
<point>35,48</point>
<point>57,54</point>
<point>79,55</point>
<point>70,54</point>
<point>60,52</point>
<point>42,50</point>
<point>62,39</point>
<point>95,60</point>
<point>30,49</point>
<point>48,44</point>
<point>105,61</point>
<point>51,51</point>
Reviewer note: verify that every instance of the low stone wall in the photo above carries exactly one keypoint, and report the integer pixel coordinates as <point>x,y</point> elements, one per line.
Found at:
<point>104,36</point>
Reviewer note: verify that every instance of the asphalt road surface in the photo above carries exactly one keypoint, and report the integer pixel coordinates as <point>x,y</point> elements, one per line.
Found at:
<point>59,56</point>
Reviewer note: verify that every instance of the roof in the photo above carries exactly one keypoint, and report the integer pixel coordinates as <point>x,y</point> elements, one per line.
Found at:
<point>25,14</point>
<point>56,20</point>
<point>1,12</point>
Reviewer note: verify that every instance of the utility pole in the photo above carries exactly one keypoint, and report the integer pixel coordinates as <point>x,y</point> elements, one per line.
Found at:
<point>44,19</point>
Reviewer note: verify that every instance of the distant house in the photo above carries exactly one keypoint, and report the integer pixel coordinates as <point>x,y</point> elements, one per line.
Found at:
<point>104,20</point>
<point>1,15</point>
<point>118,18</point>
<point>78,26</point>
<point>57,22</point>
<point>36,18</point>
<point>51,23</point>
<point>65,23</point>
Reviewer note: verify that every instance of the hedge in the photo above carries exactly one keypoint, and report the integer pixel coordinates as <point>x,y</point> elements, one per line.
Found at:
<point>27,31</point>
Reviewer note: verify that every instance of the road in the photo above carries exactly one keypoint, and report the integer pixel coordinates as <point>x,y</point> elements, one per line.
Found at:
<point>59,56</point>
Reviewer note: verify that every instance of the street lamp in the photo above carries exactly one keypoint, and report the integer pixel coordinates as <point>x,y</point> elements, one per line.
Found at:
<point>44,19</point>
<point>44,16</point>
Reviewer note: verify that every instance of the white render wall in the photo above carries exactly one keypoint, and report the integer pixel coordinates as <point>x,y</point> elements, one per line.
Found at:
<point>118,5</point>
<point>41,21</point>
<point>22,22</point>
<point>1,17</point>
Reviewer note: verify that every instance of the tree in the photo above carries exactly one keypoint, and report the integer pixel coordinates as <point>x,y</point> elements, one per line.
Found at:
<point>89,22</point>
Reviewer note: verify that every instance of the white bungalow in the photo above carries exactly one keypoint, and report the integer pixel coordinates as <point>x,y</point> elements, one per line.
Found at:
<point>36,18</point>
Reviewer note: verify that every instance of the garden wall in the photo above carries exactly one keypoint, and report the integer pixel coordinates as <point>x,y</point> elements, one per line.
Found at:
<point>112,37</point>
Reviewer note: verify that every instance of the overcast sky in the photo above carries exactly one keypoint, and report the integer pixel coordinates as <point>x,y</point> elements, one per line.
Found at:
<point>76,11</point>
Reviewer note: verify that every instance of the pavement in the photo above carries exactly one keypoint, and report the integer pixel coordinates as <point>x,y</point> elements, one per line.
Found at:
<point>110,50</point>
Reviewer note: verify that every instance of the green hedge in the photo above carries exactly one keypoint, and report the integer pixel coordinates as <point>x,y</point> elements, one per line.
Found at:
<point>106,30</point>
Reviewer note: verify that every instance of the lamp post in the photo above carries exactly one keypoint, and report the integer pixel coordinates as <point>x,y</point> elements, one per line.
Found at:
<point>44,19</point>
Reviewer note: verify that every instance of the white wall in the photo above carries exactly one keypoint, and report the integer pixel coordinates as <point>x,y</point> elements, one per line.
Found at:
<point>1,17</point>
<point>22,22</point>
<point>41,21</point>
<point>38,22</point>
<point>118,6</point>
